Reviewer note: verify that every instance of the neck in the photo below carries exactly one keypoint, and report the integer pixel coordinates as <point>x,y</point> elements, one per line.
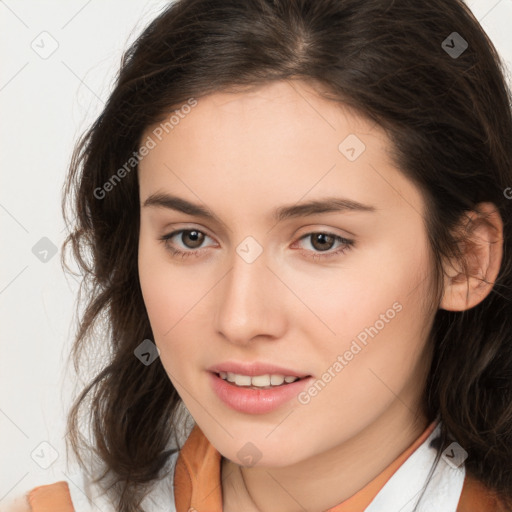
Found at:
<point>327,479</point>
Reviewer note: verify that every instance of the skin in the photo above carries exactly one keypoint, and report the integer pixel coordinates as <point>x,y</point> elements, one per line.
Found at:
<point>241,155</point>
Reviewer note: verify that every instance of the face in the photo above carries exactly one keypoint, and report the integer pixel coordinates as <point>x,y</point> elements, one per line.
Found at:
<point>334,294</point>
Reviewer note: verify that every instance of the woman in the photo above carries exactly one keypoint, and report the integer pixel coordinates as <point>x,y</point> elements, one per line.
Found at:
<point>294,218</point>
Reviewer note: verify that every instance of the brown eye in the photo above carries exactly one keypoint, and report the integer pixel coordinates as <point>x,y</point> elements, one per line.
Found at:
<point>184,242</point>
<point>192,239</point>
<point>322,241</point>
<point>324,245</point>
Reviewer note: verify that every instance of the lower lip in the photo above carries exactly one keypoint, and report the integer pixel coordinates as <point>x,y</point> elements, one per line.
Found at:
<point>256,401</point>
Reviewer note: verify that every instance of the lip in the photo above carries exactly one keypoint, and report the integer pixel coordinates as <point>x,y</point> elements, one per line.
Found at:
<point>255,401</point>
<point>256,368</point>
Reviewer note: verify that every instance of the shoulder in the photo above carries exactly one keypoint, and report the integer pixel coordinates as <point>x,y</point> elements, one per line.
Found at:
<point>42,498</point>
<point>475,497</point>
<point>56,496</point>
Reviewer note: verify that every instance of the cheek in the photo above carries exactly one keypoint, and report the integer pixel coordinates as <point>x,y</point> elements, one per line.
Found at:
<point>176,300</point>
<point>156,287</point>
<point>371,360</point>
<point>372,315</point>
<point>345,300</point>
<point>392,274</point>
<point>167,289</point>
<point>164,293</point>
<point>164,309</point>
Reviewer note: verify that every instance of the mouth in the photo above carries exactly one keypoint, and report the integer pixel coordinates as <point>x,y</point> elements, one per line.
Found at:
<point>257,394</point>
<point>257,382</point>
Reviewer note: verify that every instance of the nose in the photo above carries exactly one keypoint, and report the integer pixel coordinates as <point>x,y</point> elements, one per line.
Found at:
<point>250,302</point>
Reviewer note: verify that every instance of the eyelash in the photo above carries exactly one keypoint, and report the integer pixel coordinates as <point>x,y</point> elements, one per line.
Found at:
<point>347,245</point>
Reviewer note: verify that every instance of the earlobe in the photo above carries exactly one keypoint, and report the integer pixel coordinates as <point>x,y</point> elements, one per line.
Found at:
<point>482,250</point>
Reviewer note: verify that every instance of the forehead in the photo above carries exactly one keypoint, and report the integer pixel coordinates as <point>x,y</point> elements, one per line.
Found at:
<point>281,136</point>
<point>277,121</point>
<point>294,105</point>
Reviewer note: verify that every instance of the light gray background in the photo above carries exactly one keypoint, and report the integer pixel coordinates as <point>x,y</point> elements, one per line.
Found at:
<point>46,101</point>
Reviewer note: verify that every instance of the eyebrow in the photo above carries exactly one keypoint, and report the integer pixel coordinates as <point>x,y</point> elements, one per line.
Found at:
<point>318,206</point>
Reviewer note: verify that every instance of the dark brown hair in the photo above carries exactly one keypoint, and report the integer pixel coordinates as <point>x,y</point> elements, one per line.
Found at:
<point>449,119</point>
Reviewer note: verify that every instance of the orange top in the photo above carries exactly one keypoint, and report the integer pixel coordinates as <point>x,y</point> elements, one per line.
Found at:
<point>51,498</point>
<point>197,483</point>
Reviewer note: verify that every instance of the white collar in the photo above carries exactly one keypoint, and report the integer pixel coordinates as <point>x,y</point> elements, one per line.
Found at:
<point>403,490</point>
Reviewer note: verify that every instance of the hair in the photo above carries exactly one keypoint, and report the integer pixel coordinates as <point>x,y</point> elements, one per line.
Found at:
<point>450,124</point>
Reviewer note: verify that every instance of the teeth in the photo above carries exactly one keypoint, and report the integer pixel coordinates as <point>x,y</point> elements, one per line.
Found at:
<point>260,381</point>
<point>241,380</point>
<point>276,380</point>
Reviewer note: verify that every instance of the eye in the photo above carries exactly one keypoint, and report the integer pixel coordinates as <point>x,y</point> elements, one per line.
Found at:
<point>323,242</point>
<point>192,239</point>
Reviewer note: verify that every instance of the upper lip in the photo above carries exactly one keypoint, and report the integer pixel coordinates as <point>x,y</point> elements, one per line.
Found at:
<point>255,368</point>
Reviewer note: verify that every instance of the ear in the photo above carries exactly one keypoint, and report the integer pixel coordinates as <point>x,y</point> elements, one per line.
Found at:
<point>483,250</point>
